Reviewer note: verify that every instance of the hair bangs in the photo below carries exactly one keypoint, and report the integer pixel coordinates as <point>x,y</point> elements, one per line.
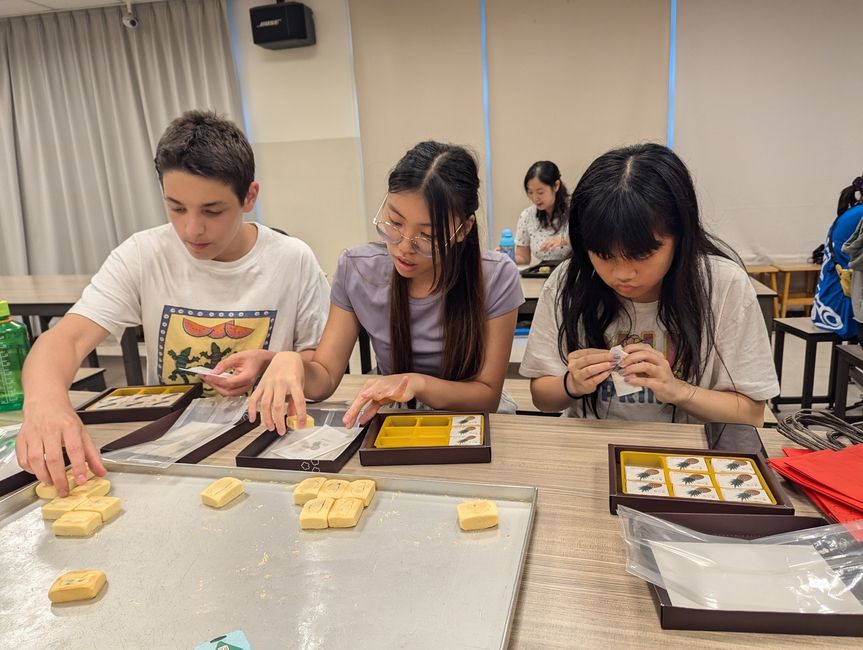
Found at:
<point>621,224</point>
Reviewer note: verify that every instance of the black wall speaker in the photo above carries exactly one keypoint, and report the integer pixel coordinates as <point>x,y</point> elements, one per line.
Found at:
<point>282,25</point>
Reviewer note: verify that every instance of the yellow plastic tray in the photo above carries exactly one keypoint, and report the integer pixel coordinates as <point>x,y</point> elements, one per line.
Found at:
<point>427,430</point>
<point>112,400</point>
<point>658,461</point>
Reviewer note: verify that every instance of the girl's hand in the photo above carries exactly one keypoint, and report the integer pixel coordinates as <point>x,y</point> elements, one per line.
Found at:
<point>588,368</point>
<point>285,377</point>
<point>649,368</point>
<point>247,366</point>
<point>550,244</point>
<point>379,392</point>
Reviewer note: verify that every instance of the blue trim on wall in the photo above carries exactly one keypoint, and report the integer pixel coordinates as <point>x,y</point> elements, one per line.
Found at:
<point>486,125</point>
<point>235,55</point>
<point>672,74</point>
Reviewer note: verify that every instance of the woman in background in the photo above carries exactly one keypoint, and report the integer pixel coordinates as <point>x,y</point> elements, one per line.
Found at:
<point>542,228</point>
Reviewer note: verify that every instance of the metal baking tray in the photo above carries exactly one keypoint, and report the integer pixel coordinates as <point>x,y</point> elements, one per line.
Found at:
<point>180,573</point>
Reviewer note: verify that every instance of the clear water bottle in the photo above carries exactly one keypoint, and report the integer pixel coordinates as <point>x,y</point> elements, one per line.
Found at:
<point>14,345</point>
<point>507,243</point>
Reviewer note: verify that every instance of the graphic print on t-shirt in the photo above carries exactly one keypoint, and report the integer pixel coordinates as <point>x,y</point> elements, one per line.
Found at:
<point>202,337</point>
<point>657,340</point>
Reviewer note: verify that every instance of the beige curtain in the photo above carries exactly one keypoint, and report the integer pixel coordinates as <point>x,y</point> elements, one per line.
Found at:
<point>83,101</point>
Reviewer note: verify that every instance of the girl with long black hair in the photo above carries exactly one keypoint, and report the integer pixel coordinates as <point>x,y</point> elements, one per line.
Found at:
<point>439,311</point>
<point>645,275</point>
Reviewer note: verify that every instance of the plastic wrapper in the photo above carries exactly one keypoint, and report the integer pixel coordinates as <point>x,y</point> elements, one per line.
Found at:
<point>202,421</point>
<point>324,441</point>
<point>817,570</point>
<point>8,461</point>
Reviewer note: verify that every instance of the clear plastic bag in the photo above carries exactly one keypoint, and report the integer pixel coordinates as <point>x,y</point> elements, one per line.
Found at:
<point>817,570</point>
<point>203,420</point>
<point>325,441</point>
<point>8,461</point>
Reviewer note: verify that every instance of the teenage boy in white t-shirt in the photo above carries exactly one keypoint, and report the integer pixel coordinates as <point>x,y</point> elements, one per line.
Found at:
<point>204,286</point>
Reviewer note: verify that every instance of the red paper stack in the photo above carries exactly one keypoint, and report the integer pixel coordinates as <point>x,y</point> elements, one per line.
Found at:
<point>833,480</point>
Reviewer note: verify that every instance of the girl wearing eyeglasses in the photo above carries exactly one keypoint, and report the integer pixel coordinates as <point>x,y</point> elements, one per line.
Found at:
<point>645,274</point>
<point>439,311</point>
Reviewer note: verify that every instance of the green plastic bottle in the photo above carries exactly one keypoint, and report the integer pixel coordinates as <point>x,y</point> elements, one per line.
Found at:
<point>14,345</point>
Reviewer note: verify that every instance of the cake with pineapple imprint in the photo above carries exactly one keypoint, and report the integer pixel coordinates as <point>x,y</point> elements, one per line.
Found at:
<point>652,488</point>
<point>686,463</point>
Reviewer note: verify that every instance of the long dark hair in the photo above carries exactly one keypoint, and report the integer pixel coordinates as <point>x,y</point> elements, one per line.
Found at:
<point>850,196</point>
<point>625,199</point>
<point>548,174</point>
<point>446,176</point>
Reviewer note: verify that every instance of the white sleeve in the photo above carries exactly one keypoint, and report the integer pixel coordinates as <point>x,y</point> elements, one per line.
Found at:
<point>542,354</point>
<point>113,298</point>
<point>522,233</point>
<point>313,305</point>
<point>744,362</point>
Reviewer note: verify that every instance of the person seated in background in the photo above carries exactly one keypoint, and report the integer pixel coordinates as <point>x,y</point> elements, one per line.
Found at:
<point>203,286</point>
<point>440,311</point>
<point>833,308</point>
<point>543,229</point>
<point>645,275</point>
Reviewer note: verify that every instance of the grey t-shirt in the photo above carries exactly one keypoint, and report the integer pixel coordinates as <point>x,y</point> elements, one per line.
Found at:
<point>362,285</point>
<point>745,366</point>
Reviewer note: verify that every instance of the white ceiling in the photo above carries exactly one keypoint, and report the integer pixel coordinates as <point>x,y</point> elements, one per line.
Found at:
<point>24,7</point>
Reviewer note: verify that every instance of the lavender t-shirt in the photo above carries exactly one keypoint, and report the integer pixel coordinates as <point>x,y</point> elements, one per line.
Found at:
<point>362,285</point>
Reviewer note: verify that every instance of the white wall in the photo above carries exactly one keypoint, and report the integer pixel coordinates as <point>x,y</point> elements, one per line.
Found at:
<point>303,125</point>
<point>768,97</point>
<point>769,100</point>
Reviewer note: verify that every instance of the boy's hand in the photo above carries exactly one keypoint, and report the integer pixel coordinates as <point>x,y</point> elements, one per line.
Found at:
<point>46,430</point>
<point>379,392</point>
<point>285,377</point>
<point>588,368</point>
<point>247,366</point>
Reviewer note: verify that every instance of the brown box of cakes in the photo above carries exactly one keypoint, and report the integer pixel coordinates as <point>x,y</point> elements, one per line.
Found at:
<point>750,527</point>
<point>138,403</point>
<point>304,449</point>
<point>426,438</point>
<point>155,430</point>
<point>665,479</point>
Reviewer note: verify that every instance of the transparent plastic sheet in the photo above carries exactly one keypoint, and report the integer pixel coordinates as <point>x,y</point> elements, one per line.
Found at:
<point>325,441</point>
<point>818,570</point>
<point>8,461</point>
<point>204,419</point>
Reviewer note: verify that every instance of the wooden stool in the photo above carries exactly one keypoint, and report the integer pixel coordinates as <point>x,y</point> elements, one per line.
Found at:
<point>848,358</point>
<point>803,328</point>
<point>769,275</point>
<point>805,298</point>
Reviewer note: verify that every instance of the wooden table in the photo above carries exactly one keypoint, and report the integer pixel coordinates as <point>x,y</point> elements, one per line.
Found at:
<point>48,296</point>
<point>805,298</point>
<point>575,592</point>
<point>77,397</point>
<point>767,273</point>
<point>533,286</point>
